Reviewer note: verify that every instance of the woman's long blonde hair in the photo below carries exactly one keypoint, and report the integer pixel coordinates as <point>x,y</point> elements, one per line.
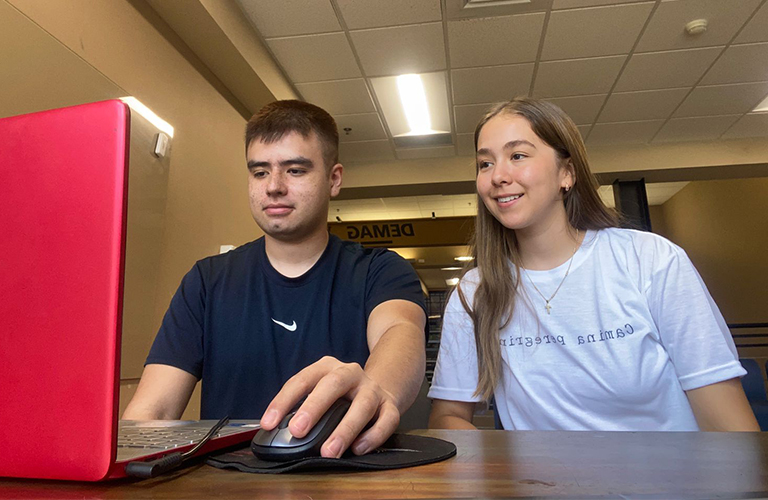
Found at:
<point>493,246</point>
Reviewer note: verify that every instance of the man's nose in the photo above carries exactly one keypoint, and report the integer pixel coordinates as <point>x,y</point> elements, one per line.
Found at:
<point>276,184</point>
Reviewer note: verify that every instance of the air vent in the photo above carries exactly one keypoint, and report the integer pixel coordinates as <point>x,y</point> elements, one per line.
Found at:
<point>423,141</point>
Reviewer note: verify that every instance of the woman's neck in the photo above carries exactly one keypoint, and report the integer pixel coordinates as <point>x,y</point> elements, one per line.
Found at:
<point>547,246</point>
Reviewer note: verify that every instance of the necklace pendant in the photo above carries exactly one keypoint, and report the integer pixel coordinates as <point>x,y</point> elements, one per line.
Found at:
<point>548,307</point>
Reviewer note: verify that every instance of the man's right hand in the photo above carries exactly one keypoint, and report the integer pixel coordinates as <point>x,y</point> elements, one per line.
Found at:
<point>163,394</point>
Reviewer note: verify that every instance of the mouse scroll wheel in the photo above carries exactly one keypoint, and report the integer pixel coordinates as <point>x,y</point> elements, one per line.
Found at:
<point>285,421</point>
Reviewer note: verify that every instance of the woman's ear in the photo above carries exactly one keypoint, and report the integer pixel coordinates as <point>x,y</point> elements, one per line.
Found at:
<point>569,175</point>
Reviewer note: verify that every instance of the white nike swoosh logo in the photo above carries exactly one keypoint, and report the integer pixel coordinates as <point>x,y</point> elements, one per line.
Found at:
<point>290,328</point>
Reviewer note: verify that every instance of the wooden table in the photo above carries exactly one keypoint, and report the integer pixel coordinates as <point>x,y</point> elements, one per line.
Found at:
<point>489,464</point>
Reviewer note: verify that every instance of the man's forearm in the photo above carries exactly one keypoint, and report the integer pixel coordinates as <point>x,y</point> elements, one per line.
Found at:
<point>398,363</point>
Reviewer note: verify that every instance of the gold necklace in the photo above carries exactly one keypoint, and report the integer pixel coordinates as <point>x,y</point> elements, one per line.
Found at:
<point>547,300</point>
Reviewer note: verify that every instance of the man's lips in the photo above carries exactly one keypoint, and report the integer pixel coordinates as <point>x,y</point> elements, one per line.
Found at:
<point>277,209</point>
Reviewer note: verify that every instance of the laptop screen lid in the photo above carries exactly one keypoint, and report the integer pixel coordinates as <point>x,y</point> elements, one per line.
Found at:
<point>63,201</point>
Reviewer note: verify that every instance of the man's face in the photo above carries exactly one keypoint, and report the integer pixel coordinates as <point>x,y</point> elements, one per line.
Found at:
<point>290,187</point>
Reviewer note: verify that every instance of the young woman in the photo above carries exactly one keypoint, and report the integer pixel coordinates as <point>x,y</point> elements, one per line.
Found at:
<point>568,321</point>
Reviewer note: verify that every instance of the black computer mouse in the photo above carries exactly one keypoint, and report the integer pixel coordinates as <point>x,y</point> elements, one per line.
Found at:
<point>279,445</point>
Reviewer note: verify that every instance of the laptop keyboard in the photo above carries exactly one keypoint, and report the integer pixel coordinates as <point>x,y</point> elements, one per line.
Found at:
<point>164,437</point>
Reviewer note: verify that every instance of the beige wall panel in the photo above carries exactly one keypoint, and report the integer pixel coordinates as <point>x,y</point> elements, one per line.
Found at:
<point>207,194</point>
<point>723,228</point>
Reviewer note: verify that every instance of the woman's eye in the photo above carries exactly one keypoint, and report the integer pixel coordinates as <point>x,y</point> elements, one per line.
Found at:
<point>518,156</point>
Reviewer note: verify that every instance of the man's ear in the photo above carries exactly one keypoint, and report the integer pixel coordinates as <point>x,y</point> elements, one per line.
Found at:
<point>337,172</point>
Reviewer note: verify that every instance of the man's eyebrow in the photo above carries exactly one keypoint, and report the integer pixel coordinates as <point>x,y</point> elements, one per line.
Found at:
<point>299,160</point>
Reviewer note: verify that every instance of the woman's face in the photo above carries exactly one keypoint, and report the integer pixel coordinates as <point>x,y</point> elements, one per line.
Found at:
<point>519,177</point>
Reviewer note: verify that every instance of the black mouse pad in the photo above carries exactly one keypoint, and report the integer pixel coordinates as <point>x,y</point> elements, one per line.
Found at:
<point>400,450</point>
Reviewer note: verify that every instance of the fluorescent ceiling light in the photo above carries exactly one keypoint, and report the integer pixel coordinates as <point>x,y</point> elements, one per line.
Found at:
<point>452,281</point>
<point>414,105</point>
<point>762,107</point>
<point>414,102</point>
<point>450,269</point>
<point>147,113</point>
<point>464,258</point>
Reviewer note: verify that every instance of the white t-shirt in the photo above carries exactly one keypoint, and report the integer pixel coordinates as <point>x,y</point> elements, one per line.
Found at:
<point>632,327</point>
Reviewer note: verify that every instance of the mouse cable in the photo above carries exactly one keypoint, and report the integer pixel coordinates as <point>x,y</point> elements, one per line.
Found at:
<point>154,468</point>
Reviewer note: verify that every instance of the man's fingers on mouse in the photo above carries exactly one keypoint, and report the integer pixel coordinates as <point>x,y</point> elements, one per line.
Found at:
<point>294,389</point>
<point>362,410</point>
<point>334,385</point>
<point>385,425</point>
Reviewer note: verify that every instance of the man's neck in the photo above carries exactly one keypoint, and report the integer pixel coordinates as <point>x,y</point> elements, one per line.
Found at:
<point>294,258</point>
<point>548,245</point>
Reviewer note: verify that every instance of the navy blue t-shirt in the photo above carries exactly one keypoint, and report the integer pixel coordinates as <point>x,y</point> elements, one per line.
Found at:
<point>245,329</point>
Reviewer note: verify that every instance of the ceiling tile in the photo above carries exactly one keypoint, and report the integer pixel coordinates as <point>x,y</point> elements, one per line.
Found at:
<point>584,131</point>
<point>290,17</point>
<point>315,57</point>
<point>466,144</point>
<point>637,132</point>
<point>339,97</point>
<point>400,50</point>
<point>658,70</point>
<point>756,29</point>
<point>644,105</point>
<point>740,64</point>
<point>751,125</point>
<point>582,109</point>
<point>359,14</point>
<point>494,41</point>
<point>577,76</point>
<point>418,153</point>
<point>723,99</point>
<point>666,30</point>
<point>468,116</point>
<point>567,37</point>
<point>364,127</point>
<point>491,83</point>
<point>704,128</point>
<point>365,151</point>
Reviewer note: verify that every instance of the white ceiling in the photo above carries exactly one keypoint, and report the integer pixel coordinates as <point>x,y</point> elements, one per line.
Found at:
<point>420,207</point>
<point>625,71</point>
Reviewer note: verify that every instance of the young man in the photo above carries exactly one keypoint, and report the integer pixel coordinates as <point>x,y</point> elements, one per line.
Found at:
<point>296,309</point>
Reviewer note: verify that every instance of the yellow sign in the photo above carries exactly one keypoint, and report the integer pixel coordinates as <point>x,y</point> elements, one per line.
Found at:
<point>406,233</point>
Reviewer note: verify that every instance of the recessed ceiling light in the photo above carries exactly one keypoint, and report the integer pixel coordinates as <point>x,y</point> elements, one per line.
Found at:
<point>762,107</point>
<point>450,268</point>
<point>464,258</point>
<point>414,106</point>
<point>147,113</point>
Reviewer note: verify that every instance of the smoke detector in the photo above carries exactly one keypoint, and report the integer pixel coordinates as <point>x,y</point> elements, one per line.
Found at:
<point>696,27</point>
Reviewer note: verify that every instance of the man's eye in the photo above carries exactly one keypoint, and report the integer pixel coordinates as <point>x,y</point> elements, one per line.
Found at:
<point>259,174</point>
<point>483,164</point>
<point>518,156</point>
<point>296,171</point>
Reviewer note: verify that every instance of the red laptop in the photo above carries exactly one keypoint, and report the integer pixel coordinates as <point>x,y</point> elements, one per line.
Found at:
<point>64,198</point>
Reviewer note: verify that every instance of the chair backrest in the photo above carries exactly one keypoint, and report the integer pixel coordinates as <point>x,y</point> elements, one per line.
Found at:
<point>752,382</point>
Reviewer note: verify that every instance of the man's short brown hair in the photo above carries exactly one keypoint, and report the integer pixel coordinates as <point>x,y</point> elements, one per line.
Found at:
<point>279,118</point>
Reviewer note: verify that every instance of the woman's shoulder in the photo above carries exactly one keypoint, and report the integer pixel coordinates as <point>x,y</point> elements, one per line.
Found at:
<point>642,244</point>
